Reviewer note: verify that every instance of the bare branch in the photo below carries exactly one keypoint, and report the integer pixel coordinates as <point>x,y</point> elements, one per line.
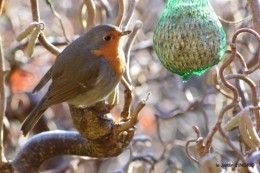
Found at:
<point>129,14</point>
<point>3,101</point>
<point>42,39</point>
<point>128,46</point>
<point>59,18</point>
<point>255,7</point>
<point>121,13</point>
<point>91,21</point>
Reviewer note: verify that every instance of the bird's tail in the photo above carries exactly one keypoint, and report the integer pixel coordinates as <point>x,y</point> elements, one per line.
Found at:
<point>33,117</point>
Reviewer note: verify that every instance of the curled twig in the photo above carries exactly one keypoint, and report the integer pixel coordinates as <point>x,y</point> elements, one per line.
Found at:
<point>221,73</point>
<point>256,35</point>
<point>91,21</point>
<point>188,153</point>
<point>255,7</point>
<point>81,11</point>
<point>107,7</point>
<point>208,164</point>
<point>129,14</point>
<point>248,81</point>
<point>238,153</point>
<point>134,116</point>
<point>59,18</point>
<point>127,100</point>
<point>128,46</point>
<point>47,45</point>
<point>235,96</point>
<point>201,148</point>
<point>241,119</point>
<point>121,13</point>
<point>42,39</point>
<point>218,124</point>
<point>3,101</point>
<point>216,83</point>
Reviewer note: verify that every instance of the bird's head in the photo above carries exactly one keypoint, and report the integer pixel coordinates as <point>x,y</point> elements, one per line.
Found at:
<point>109,36</point>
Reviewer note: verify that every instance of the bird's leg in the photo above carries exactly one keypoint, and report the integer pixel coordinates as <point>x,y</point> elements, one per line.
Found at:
<point>100,110</point>
<point>100,115</point>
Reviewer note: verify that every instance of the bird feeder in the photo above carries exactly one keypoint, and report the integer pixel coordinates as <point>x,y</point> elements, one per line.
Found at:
<point>189,39</point>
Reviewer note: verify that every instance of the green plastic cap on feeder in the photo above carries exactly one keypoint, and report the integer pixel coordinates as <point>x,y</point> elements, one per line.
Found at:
<point>189,38</point>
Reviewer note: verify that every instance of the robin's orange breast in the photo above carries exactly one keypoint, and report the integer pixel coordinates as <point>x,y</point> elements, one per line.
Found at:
<point>113,52</point>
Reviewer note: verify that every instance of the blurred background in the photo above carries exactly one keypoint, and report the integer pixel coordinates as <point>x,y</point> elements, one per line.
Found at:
<point>169,95</point>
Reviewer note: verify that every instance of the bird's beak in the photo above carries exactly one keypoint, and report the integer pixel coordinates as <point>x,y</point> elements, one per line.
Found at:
<point>125,32</point>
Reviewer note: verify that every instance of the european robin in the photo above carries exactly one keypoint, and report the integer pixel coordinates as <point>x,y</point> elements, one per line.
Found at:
<point>84,73</point>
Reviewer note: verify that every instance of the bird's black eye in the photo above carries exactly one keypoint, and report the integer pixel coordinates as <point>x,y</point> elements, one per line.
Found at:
<point>107,38</point>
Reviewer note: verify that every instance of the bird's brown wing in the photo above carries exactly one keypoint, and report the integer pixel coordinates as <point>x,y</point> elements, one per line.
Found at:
<point>65,60</point>
<point>59,91</point>
<point>69,85</point>
<point>62,90</point>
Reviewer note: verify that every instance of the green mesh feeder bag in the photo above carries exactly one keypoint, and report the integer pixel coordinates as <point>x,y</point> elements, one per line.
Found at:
<point>189,39</point>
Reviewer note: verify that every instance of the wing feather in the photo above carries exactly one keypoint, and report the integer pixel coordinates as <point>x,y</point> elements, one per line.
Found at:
<point>69,85</point>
